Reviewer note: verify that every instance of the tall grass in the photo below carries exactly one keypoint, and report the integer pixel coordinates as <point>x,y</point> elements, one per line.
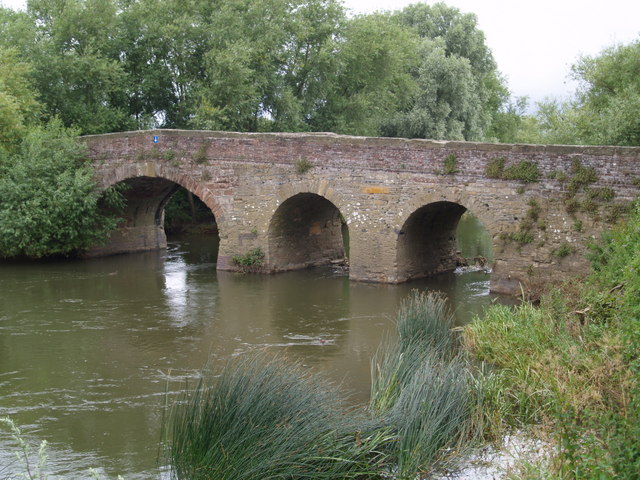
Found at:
<point>424,326</point>
<point>432,413</point>
<point>422,386</point>
<point>260,418</point>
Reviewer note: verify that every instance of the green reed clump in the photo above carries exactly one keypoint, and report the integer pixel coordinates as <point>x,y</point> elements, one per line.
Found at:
<point>432,412</point>
<point>261,419</point>
<point>422,386</point>
<point>424,327</point>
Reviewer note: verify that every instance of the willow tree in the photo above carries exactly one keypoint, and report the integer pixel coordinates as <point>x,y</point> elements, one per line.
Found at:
<point>459,88</point>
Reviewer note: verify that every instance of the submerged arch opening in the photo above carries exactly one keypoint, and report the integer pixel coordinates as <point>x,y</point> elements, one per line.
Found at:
<point>307,230</point>
<point>439,237</point>
<point>143,225</point>
<point>185,213</point>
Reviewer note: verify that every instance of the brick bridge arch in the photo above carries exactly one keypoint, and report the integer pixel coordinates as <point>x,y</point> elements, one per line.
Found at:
<point>148,190</point>
<point>386,191</point>
<point>426,243</point>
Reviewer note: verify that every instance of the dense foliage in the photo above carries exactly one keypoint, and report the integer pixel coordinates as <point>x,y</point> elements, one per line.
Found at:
<point>110,65</point>
<point>18,105</point>
<point>572,365</point>
<point>49,202</point>
<point>603,111</point>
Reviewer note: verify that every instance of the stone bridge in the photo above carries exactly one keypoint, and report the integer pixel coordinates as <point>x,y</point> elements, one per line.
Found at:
<point>295,196</point>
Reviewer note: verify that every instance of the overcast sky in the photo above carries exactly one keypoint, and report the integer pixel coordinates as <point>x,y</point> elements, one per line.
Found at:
<point>534,42</point>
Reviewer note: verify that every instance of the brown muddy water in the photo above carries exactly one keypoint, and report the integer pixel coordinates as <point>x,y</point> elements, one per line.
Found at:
<point>90,350</point>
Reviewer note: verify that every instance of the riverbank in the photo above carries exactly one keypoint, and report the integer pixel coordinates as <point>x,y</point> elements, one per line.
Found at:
<point>570,366</point>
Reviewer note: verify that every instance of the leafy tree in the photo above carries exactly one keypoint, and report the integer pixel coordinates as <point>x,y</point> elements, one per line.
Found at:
<point>609,97</point>
<point>459,88</point>
<point>248,65</point>
<point>371,76</point>
<point>17,30</point>
<point>267,66</point>
<point>74,68</point>
<point>512,124</point>
<point>49,203</point>
<point>603,111</point>
<point>160,45</point>
<point>18,105</point>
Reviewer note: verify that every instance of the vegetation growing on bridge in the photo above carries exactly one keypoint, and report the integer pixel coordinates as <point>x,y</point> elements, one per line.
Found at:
<point>524,171</point>
<point>450,164</point>
<point>251,261</point>
<point>303,165</point>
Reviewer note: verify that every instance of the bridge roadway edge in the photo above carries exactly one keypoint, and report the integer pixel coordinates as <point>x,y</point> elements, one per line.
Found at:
<point>376,185</point>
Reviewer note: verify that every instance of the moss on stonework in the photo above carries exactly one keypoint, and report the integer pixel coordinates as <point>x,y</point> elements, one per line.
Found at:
<point>523,171</point>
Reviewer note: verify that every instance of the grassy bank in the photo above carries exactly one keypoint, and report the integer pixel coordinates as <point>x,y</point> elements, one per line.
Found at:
<point>570,366</point>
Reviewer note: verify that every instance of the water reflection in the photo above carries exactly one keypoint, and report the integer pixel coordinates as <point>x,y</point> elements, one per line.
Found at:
<point>88,348</point>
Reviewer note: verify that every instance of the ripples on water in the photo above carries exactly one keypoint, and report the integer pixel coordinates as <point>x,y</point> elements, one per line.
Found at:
<point>88,348</point>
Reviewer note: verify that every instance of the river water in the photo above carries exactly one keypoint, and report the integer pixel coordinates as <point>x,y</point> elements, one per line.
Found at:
<point>90,350</point>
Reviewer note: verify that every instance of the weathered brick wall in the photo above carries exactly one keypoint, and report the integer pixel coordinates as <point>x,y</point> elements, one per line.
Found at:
<point>376,184</point>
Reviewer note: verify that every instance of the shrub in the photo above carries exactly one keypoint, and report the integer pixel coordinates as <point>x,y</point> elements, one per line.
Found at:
<point>577,226</point>
<point>524,171</point>
<point>50,203</point>
<point>200,155</point>
<point>495,167</point>
<point>581,176</point>
<point>557,175</point>
<point>563,250</point>
<point>250,261</point>
<point>534,210</point>
<point>523,237</point>
<point>168,155</point>
<point>615,212</point>
<point>604,194</point>
<point>571,205</point>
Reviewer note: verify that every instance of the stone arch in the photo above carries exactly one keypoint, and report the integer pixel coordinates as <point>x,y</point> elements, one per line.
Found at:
<point>426,243</point>
<point>156,171</point>
<point>148,190</point>
<point>306,230</point>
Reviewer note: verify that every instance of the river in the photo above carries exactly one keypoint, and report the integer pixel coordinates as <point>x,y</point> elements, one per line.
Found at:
<point>90,350</point>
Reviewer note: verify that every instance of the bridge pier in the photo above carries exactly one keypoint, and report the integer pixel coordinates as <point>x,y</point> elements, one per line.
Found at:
<point>142,228</point>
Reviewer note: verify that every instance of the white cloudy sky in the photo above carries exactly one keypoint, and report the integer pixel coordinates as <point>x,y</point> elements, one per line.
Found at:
<point>534,42</point>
